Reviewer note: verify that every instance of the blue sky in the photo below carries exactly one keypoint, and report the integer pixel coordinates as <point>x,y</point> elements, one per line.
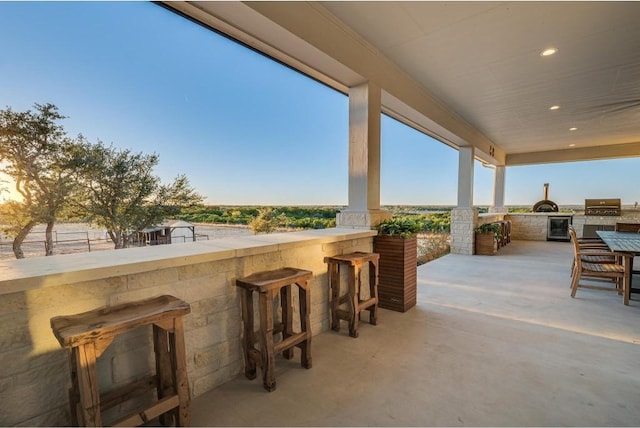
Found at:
<point>243,128</point>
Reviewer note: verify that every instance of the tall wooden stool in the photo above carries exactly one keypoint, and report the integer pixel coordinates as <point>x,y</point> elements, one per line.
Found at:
<point>268,285</point>
<point>88,334</point>
<point>502,240</point>
<point>354,262</point>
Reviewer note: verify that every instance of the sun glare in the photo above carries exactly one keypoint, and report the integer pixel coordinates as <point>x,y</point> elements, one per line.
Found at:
<point>7,189</point>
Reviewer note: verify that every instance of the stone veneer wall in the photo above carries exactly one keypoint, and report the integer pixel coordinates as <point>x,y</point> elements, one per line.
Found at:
<point>34,372</point>
<point>580,220</point>
<point>463,221</point>
<point>362,219</point>
<point>529,226</point>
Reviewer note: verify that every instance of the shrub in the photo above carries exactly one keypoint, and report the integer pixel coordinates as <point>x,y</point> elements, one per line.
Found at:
<point>266,221</point>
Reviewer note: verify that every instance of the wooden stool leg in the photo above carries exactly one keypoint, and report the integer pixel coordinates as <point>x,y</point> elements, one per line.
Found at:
<point>373,292</point>
<point>287,318</point>
<point>359,291</point>
<point>266,340</point>
<point>74,393</point>
<point>164,369</point>
<point>246,298</point>
<point>305,322</point>
<point>354,274</point>
<point>334,283</point>
<point>85,357</point>
<point>179,361</point>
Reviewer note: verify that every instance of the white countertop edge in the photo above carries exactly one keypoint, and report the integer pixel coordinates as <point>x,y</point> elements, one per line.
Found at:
<point>37,272</point>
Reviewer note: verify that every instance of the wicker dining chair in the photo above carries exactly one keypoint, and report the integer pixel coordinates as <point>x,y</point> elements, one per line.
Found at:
<point>616,273</point>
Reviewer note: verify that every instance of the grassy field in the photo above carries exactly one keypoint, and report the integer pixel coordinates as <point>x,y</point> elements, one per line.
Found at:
<point>82,237</point>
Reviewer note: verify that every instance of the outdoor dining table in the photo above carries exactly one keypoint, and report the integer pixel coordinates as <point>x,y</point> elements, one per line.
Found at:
<point>623,242</point>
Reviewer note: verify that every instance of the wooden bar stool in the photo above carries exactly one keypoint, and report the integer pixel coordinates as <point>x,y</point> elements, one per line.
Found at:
<point>88,334</point>
<point>268,285</point>
<point>502,240</point>
<point>354,261</point>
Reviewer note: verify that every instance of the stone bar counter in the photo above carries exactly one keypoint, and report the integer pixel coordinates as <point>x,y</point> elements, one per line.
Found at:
<point>34,373</point>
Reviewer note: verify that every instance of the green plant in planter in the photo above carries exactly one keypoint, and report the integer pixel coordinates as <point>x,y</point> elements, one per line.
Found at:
<point>490,227</point>
<point>403,227</point>
<point>397,245</point>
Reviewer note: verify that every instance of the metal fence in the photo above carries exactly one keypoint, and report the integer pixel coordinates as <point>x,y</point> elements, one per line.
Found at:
<point>63,243</point>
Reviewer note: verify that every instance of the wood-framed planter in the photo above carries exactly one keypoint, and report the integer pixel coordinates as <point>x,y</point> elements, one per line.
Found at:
<point>486,243</point>
<point>398,271</point>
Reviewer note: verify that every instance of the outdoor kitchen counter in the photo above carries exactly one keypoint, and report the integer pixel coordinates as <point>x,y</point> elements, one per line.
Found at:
<point>545,215</point>
<point>600,222</point>
<point>533,226</point>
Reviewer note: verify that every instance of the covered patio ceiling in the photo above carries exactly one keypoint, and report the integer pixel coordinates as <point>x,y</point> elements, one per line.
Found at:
<point>467,73</point>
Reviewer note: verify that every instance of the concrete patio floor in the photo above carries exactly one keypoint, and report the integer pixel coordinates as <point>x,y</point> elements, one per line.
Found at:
<point>493,341</point>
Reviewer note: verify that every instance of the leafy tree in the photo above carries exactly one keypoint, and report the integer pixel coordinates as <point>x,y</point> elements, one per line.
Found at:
<point>17,222</point>
<point>35,153</point>
<point>122,194</point>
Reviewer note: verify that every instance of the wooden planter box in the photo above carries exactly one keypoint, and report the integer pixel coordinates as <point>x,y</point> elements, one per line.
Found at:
<point>486,243</point>
<point>398,272</point>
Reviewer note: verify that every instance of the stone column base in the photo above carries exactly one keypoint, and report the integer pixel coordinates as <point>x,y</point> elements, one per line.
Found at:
<point>463,223</point>
<point>498,210</point>
<point>368,219</point>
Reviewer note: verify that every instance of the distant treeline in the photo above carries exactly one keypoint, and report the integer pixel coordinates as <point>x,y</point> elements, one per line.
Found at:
<point>289,216</point>
<point>429,219</point>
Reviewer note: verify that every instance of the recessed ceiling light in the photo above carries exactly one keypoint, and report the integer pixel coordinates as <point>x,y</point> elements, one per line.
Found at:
<point>554,107</point>
<point>572,145</point>
<point>573,129</point>
<point>548,52</point>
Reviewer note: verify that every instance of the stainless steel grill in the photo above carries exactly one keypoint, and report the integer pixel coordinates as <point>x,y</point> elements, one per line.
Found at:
<point>602,207</point>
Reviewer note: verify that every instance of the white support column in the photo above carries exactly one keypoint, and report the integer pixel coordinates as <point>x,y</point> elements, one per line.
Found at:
<point>464,217</point>
<point>465,177</point>
<point>498,190</point>
<point>365,106</point>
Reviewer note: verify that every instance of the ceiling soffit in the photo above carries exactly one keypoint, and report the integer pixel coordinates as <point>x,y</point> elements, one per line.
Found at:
<point>483,59</point>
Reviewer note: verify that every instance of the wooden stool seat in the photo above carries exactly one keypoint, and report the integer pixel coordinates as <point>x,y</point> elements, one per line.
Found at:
<point>354,262</point>
<point>88,334</point>
<point>268,285</point>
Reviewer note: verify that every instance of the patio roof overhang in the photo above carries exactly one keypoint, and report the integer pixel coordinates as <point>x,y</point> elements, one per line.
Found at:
<point>467,73</point>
